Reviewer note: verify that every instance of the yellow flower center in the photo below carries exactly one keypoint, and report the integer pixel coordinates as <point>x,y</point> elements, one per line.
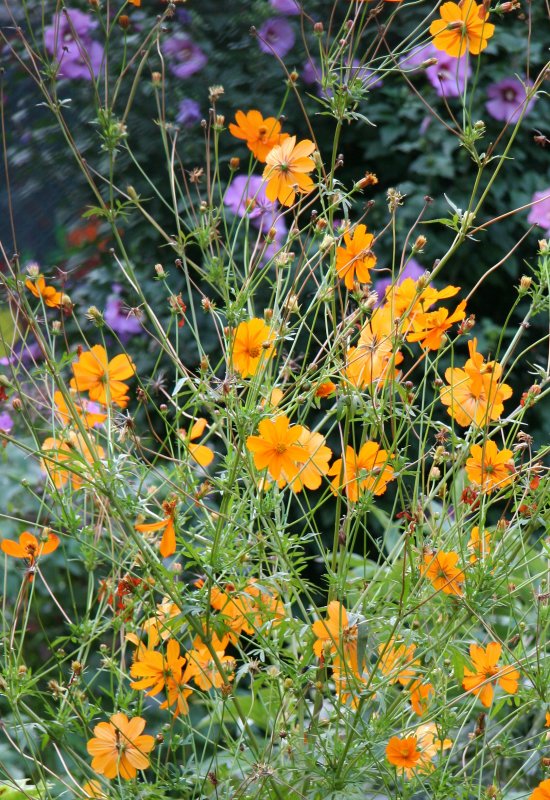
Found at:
<point>254,352</point>
<point>280,448</point>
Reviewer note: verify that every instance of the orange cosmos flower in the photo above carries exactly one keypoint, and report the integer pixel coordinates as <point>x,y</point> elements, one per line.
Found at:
<point>462,26</point>
<point>475,395</point>
<point>103,379</point>
<point>168,542</point>
<point>335,635</point>
<point>85,409</point>
<point>119,749</point>
<point>479,546</point>
<point>252,346</point>
<point>480,680</point>
<point>403,753</point>
<point>430,327</point>
<point>286,171</point>
<point>261,135</point>
<point>489,467</point>
<point>398,662</point>
<point>29,547</point>
<point>421,695</point>
<point>316,456</point>
<point>203,668</point>
<point>199,452</point>
<point>366,471</point>
<point>441,569</point>
<point>541,792</point>
<point>49,294</point>
<point>157,671</point>
<point>277,447</point>
<point>354,261</point>
<point>70,459</point>
<point>152,669</point>
<point>325,389</point>
<point>374,359</point>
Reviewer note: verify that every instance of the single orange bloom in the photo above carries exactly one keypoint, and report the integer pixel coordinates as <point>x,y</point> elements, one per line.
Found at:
<point>168,542</point>
<point>236,609</point>
<point>252,346</point>
<point>29,547</point>
<point>261,135</point>
<point>277,448</point>
<point>335,635</point>
<point>325,389</point>
<point>541,792</point>
<point>202,454</point>
<point>49,295</point>
<point>480,680</point>
<point>119,749</point>
<point>374,359</point>
<point>462,26</point>
<point>403,753</point>
<point>103,379</point>
<point>202,666</point>
<point>356,259</point>
<point>152,669</point>
<point>489,467</point>
<point>366,471</point>
<point>430,327</point>
<point>475,395</point>
<point>421,695</point>
<point>315,461</point>
<point>85,409</point>
<point>287,170</point>
<point>479,546</point>
<point>70,459</point>
<point>430,746</point>
<point>441,569</point>
<point>398,662</point>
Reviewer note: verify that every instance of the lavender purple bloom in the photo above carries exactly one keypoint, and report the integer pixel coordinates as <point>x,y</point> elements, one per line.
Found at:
<point>448,76</point>
<point>119,320</point>
<point>184,56</point>
<point>285,6</point>
<point>68,39</point>
<point>540,212</point>
<point>189,112</point>
<point>6,422</point>
<point>277,36</point>
<point>507,99</point>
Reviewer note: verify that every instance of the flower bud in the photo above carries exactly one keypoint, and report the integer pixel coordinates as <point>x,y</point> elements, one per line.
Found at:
<point>131,192</point>
<point>420,244</point>
<point>160,271</point>
<point>156,78</point>
<point>33,270</point>
<point>525,284</point>
<point>318,28</point>
<point>215,92</point>
<point>234,163</point>
<point>124,21</point>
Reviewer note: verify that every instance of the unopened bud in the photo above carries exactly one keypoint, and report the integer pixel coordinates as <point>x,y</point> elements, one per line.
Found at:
<point>131,192</point>
<point>234,163</point>
<point>160,271</point>
<point>318,28</point>
<point>156,78</point>
<point>95,316</point>
<point>430,62</point>
<point>293,77</point>
<point>56,327</point>
<point>124,21</point>
<point>525,284</point>
<point>16,404</point>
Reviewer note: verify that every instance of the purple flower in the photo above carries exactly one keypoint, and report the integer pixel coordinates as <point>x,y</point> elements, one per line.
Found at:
<point>117,318</point>
<point>245,192</point>
<point>507,99</point>
<point>185,57</point>
<point>310,71</point>
<point>189,112</point>
<point>540,212</point>
<point>22,353</point>
<point>448,76</point>
<point>277,36</point>
<point>68,39</point>
<point>413,270</point>
<point>6,422</point>
<point>285,6</point>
